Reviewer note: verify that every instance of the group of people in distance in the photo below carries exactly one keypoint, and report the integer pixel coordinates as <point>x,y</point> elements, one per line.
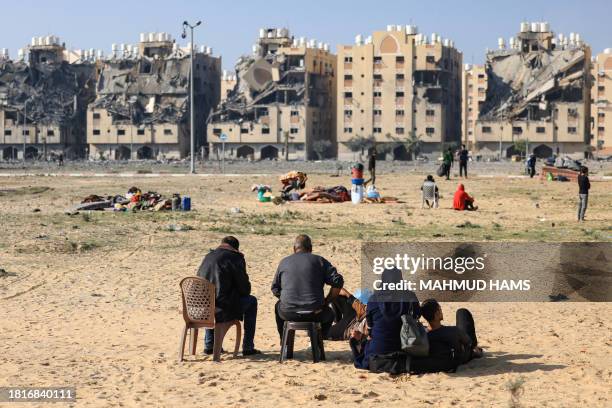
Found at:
<point>371,324</point>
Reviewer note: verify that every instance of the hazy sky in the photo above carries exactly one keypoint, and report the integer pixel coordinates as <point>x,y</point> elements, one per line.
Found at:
<point>231,27</point>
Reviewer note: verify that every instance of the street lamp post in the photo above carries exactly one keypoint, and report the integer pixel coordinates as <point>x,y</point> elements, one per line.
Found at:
<point>191,101</point>
<point>25,114</point>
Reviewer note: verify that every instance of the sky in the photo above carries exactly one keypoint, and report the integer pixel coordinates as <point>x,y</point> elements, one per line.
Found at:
<point>231,27</point>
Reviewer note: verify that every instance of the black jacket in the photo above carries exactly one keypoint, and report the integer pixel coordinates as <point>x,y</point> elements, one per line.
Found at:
<point>300,279</point>
<point>226,269</point>
<point>583,184</point>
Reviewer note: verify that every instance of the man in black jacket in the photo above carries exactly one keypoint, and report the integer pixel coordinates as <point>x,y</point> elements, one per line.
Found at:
<point>299,282</point>
<point>226,269</point>
<point>463,161</point>
<point>583,192</point>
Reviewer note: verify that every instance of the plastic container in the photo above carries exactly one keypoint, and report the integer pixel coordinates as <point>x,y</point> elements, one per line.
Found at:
<point>186,203</point>
<point>357,173</point>
<point>356,193</point>
<point>176,202</point>
<point>357,181</point>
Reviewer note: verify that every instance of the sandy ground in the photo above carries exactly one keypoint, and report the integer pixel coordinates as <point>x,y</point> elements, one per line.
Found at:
<point>92,300</point>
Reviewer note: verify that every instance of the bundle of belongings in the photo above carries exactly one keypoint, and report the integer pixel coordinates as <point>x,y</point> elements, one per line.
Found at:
<point>373,197</point>
<point>294,180</point>
<point>337,194</point>
<point>134,200</point>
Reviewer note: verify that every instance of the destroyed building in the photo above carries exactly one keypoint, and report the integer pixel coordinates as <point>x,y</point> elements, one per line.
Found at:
<point>474,90</point>
<point>538,92</point>
<point>400,89</point>
<point>142,108</point>
<point>601,104</point>
<point>43,101</point>
<point>283,103</point>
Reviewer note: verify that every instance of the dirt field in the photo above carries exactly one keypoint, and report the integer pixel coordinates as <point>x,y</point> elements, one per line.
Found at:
<point>92,300</point>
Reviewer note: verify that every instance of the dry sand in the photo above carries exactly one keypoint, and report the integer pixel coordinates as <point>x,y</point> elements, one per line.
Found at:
<point>92,301</point>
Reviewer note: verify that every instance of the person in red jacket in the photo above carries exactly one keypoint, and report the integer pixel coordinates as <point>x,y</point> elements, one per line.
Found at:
<point>463,201</point>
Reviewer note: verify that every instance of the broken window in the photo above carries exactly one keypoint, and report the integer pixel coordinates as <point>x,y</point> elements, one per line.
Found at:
<point>96,132</point>
<point>399,130</point>
<point>8,132</point>
<point>348,94</point>
<point>140,132</point>
<point>120,132</point>
<point>430,59</point>
<point>50,132</point>
<point>430,112</point>
<point>430,131</point>
<point>96,115</point>
<point>517,130</point>
<point>399,77</point>
<point>486,129</point>
<point>295,113</point>
<point>377,60</point>
<point>541,129</point>
<point>244,130</point>
<point>216,131</point>
<point>571,130</point>
<point>348,113</point>
<point>348,130</point>
<point>265,130</point>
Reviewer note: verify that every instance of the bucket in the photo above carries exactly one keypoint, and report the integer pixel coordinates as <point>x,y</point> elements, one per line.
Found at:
<point>357,181</point>
<point>186,203</point>
<point>356,173</point>
<point>356,193</point>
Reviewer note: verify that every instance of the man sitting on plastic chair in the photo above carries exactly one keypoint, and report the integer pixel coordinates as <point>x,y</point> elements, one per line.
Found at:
<point>430,193</point>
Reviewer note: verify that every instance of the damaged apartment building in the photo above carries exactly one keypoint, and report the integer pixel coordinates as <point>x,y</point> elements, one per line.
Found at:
<point>537,92</point>
<point>283,102</point>
<point>142,106</point>
<point>43,101</point>
<point>400,90</point>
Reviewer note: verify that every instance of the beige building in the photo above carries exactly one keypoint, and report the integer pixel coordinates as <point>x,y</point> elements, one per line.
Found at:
<point>142,105</point>
<point>395,86</point>
<point>43,100</point>
<point>228,83</point>
<point>538,93</point>
<point>283,104</point>
<point>474,89</point>
<point>601,104</point>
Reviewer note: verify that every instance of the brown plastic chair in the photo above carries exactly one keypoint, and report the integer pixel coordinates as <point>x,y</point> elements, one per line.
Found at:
<point>199,312</point>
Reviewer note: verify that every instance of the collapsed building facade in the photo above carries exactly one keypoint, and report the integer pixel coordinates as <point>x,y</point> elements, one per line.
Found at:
<point>400,89</point>
<point>43,101</point>
<point>142,109</point>
<point>538,91</point>
<point>283,102</point>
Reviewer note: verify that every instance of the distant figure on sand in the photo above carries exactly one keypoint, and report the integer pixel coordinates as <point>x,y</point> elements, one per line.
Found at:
<point>225,267</point>
<point>299,282</point>
<point>372,167</point>
<point>531,165</point>
<point>584,186</point>
<point>463,201</point>
<point>447,160</point>
<point>463,161</point>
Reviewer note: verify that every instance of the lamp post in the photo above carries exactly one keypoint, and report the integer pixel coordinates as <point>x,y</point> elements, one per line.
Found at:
<point>191,110</point>
<point>25,114</point>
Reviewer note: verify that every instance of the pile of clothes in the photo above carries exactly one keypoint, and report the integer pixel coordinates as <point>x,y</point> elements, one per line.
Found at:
<point>337,194</point>
<point>134,200</point>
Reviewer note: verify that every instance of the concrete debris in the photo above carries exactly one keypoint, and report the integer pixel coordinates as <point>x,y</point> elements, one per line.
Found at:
<point>526,85</point>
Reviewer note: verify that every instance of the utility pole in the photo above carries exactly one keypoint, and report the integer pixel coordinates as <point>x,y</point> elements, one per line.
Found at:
<point>25,114</point>
<point>191,101</point>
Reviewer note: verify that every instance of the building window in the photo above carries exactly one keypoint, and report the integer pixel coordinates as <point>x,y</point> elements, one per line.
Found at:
<point>377,112</point>
<point>8,132</point>
<point>265,130</point>
<point>294,131</point>
<point>541,129</point>
<point>348,113</point>
<point>601,88</point>
<point>377,130</point>
<point>601,115</point>
<point>486,129</point>
<point>216,131</point>
<point>50,132</point>
<point>377,60</point>
<point>481,76</point>
<point>399,59</point>
<point>348,59</point>
<point>399,94</point>
<point>348,94</point>
<point>399,112</point>
<point>399,130</point>
<point>601,129</point>
<point>430,112</point>
<point>348,77</point>
<point>295,113</point>
<point>96,115</point>
<point>25,132</point>
<point>96,132</point>
<point>571,130</point>
<point>140,132</point>
<point>430,59</point>
<point>399,77</point>
<point>244,130</point>
<point>348,130</point>
<point>517,130</point>
<point>120,132</point>
<point>430,131</point>
<point>377,94</point>
<point>377,77</point>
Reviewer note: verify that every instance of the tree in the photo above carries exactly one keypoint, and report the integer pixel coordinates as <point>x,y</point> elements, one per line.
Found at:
<point>360,143</point>
<point>321,147</point>
<point>520,145</point>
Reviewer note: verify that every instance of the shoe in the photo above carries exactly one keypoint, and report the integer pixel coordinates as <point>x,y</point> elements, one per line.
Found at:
<point>251,352</point>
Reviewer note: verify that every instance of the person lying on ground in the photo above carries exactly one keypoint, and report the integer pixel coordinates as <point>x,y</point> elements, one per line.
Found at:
<point>430,179</point>
<point>449,346</point>
<point>462,200</point>
<point>299,282</point>
<point>225,267</point>
<point>349,316</point>
<point>384,322</point>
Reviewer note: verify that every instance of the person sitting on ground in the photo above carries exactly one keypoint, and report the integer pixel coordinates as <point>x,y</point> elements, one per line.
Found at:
<point>449,346</point>
<point>225,267</point>
<point>430,179</point>
<point>299,282</point>
<point>463,201</point>
<point>384,322</point>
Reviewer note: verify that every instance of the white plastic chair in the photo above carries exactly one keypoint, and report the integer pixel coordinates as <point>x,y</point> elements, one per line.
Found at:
<point>429,194</point>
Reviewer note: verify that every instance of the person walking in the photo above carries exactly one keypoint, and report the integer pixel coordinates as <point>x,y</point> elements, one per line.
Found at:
<point>463,160</point>
<point>584,185</point>
<point>372,167</point>
<point>531,165</point>
<point>447,160</point>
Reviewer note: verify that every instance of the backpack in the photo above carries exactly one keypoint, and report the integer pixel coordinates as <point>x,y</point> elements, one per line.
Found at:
<point>414,337</point>
<point>441,170</point>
